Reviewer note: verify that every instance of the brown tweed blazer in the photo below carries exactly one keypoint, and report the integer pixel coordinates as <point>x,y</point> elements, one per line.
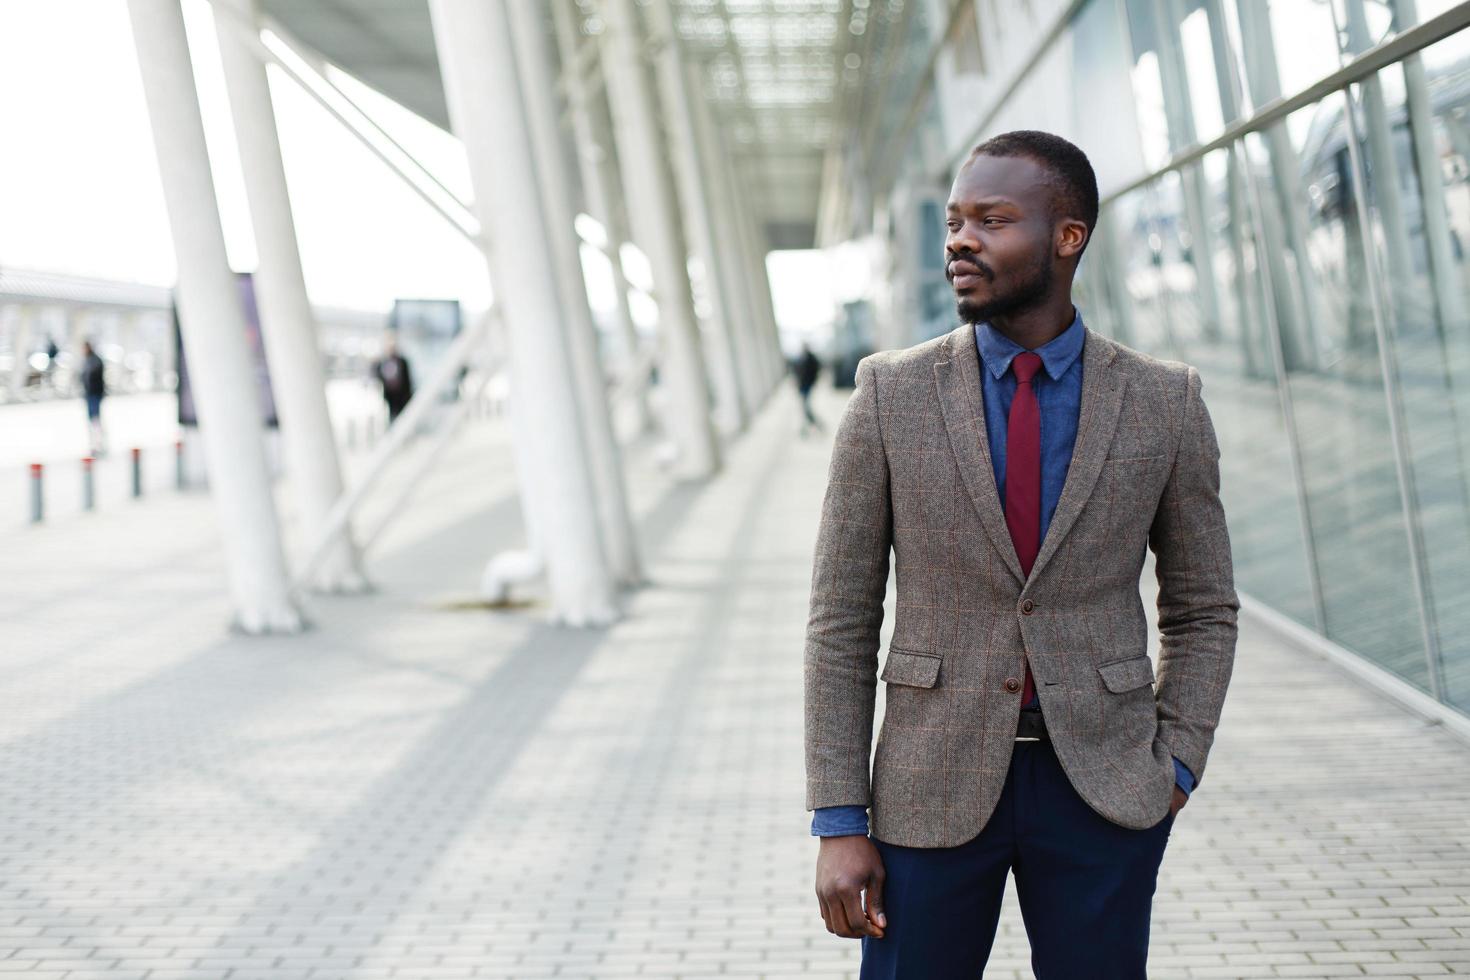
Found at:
<point>911,472</point>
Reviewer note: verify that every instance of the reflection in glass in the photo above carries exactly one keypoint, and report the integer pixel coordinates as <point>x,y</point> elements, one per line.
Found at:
<point>1341,414</point>
<point>1159,311</point>
<point>1415,173</point>
<point>1258,483</point>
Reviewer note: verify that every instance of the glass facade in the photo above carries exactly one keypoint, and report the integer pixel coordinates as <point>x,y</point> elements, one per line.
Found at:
<point>1315,268</point>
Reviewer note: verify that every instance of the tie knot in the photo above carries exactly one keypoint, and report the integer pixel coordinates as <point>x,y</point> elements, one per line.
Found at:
<point>1026,365</point>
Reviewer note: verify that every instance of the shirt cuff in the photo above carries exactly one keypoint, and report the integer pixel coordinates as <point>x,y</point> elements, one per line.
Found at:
<point>840,821</point>
<point>1183,778</point>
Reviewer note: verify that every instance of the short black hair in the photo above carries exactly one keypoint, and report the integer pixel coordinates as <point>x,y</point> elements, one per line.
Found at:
<point>1073,184</point>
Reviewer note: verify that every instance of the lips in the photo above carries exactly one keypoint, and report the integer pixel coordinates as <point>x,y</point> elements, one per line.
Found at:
<point>963,275</point>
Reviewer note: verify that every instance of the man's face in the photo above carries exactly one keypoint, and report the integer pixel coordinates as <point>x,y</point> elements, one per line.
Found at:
<point>1000,251</point>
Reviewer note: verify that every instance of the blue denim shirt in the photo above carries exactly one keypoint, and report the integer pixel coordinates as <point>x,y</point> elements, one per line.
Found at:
<point>1059,398</point>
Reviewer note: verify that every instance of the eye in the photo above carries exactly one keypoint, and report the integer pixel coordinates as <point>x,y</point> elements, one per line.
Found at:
<point>952,224</point>
<point>992,222</point>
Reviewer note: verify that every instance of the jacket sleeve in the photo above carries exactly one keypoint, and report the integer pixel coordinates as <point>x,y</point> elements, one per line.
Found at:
<point>1197,601</point>
<point>849,581</point>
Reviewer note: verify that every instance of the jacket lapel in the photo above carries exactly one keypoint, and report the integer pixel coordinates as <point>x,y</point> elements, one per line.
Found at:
<point>1102,400</point>
<point>963,407</point>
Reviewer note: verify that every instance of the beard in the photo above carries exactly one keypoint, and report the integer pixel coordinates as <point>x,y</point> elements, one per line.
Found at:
<point>1027,290</point>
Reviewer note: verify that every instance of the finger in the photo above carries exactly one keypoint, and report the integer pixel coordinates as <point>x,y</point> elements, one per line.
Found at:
<point>826,912</point>
<point>852,908</point>
<point>875,901</point>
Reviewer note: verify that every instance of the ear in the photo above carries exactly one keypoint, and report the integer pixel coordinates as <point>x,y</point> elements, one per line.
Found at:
<point>1071,236</point>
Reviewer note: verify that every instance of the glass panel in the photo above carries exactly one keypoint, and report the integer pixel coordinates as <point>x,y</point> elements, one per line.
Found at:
<point>1102,117</point>
<point>1150,254</point>
<point>1174,77</point>
<point>1414,149</point>
<point>1313,251</point>
<point>1286,45</point>
<point>1217,316</point>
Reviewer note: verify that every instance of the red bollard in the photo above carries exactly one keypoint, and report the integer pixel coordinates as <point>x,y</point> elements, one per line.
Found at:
<point>36,496</point>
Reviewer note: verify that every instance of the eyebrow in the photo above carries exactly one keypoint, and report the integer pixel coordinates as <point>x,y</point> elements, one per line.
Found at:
<point>983,203</point>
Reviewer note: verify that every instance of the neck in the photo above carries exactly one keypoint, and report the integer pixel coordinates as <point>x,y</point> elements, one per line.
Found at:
<point>1031,328</point>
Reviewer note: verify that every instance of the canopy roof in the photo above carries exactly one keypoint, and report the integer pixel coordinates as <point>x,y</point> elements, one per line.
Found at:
<point>781,75</point>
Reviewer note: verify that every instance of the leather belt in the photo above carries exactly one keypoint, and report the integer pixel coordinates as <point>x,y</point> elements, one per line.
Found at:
<point>1031,727</point>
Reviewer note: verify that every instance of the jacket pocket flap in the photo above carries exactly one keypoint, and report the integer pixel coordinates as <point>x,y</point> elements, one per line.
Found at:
<point>912,669</point>
<point>1125,675</point>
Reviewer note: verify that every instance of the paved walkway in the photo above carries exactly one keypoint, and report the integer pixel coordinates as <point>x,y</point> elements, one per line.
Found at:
<point>418,790</point>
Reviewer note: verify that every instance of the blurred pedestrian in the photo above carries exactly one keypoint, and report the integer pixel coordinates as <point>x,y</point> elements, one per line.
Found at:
<point>806,367</point>
<point>94,387</point>
<point>48,374</point>
<point>392,372</point>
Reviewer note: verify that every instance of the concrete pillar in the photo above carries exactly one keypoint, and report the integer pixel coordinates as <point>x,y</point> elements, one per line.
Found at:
<point>747,267</point>
<point>538,84</point>
<point>654,214</point>
<point>743,271</point>
<point>753,244</point>
<point>599,185</point>
<point>213,326</point>
<point>477,60</point>
<point>741,325</point>
<point>21,348</point>
<point>287,324</point>
<point>698,211</point>
<point>747,241</point>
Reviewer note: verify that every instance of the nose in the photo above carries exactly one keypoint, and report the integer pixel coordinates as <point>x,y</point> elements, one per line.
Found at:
<point>960,240</point>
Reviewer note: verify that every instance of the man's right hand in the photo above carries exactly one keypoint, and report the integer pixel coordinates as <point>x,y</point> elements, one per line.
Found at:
<point>846,866</point>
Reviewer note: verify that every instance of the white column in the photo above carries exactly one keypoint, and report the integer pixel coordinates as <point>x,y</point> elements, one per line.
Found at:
<point>287,323</point>
<point>213,326</point>
<point>477,61</point>
<point>21,348</point>
<point>599,183</point>
<point>699,214</point>
<point>753,245</point>
<point>746,244</point>
<point>538,83</point>
<point>654,214</point>
<point>751,369</point>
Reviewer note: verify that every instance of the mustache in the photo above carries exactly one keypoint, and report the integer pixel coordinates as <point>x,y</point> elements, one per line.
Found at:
<point>967,266</point>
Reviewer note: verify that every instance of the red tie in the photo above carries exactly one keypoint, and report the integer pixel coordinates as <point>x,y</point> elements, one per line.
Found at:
<point>1023,475</point>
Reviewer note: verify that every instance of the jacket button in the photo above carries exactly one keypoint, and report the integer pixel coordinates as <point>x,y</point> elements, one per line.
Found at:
<point>1012,685</point>
<point>1027,606</point>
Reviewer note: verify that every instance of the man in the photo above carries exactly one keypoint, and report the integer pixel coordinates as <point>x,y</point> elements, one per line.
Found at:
<point>805,369</point>
<point>1018,467</point>
<point>94,388</point>
<point>392,372</point>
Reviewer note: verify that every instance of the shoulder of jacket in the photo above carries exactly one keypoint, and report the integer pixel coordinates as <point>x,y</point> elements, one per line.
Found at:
<point>895,360</point>
<point>1172,376</point>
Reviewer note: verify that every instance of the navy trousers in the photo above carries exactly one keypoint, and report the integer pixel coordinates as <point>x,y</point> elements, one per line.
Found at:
<point>1085,887</point>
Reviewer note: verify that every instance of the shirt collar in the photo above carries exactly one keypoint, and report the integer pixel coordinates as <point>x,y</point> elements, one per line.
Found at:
<point>997,350</point>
